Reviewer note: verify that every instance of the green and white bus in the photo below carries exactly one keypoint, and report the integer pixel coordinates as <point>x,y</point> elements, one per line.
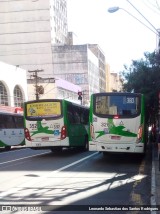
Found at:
<point>54,124</point>
<point>11,130</point>
<point>117,123</point>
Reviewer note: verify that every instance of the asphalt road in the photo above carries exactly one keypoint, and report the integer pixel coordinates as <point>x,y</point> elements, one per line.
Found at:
<point>89,182</point>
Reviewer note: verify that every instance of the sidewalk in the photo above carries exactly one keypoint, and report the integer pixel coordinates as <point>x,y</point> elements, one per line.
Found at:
<point>155,179</point>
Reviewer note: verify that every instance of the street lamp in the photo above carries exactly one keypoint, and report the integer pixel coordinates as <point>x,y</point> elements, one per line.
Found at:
<point>115,9</point>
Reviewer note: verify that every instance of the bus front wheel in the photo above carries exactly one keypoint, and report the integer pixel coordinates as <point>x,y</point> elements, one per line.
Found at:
<point>86,145</point>
<point>7,148</point>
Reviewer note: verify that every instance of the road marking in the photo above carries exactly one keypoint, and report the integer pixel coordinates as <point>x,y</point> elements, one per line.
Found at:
<point>39,179</point>
<point>23,158</point>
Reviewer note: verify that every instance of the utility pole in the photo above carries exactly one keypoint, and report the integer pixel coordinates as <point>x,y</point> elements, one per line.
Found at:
<point>36,77</point>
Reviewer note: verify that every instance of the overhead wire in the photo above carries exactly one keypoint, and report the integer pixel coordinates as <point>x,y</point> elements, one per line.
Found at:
<point>144,17</point>
<point>153,7</point>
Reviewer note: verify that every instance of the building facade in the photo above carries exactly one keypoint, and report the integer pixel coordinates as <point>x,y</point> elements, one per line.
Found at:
<point>115,82</point>
<point>78,65</point>
<point>13,87</point>
<point>53,89</point>
<point>28,28</point>
<point>34,36</point>
<point>107,68</point>
<point>101,65</point>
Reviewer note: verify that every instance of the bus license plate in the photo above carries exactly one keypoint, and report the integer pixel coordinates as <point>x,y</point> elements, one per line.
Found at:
<point>45,138</point>
<point>115,137</point>
<point>38,144</point>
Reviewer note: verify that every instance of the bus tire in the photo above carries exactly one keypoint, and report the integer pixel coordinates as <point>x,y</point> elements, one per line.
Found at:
<point>7,148</point>
<point>86,144</point>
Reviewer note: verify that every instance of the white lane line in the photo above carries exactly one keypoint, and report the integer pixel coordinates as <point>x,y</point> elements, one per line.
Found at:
<point>23,158</point>
<point>39,179</point>
<point>74,163</point>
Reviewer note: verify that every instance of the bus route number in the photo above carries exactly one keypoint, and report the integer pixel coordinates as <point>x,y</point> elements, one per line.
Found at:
<point>33,126</point>
<point>130,99</point>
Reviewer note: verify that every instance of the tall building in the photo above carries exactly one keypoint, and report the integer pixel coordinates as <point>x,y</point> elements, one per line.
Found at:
<point>28,29</point>
<point>115,82</point>
<point>101,65</point>
<point>34,36</point>
<point>79,65</point>
<point>108,71</point>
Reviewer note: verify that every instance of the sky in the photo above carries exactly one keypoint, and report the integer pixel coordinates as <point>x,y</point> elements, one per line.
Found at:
<point>121,37</point>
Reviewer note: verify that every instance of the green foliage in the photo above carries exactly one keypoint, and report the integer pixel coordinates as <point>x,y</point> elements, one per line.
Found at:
<point>143,76</point>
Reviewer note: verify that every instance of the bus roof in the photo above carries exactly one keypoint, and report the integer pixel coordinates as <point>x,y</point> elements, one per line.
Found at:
<point>117,93</point>
<point>10,113</point>
<point>62,100</point>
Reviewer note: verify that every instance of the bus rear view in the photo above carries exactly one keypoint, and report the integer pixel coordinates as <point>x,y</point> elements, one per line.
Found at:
<point>56,124</point>
<point>117,123</point>
<point>44,124</point>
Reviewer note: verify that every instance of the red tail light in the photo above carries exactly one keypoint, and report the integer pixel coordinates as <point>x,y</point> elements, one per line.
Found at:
<point>27,134</point>
<point>63,132</point>
<point>140,132</point>
<point>116,117</point>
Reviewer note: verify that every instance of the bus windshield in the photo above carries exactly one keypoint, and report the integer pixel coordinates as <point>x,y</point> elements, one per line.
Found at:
<point>43,109</point>
<point>122,105</point>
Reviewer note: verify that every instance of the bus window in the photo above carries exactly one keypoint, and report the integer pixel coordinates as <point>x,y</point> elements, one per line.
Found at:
<point>116,105</point>
<point>19,122</point>
<point>85,116</point>
<point>77,115</point>
<point>73,114</point>
<point>102,105</point>
<point>2,121</point>
<point>9,121</point>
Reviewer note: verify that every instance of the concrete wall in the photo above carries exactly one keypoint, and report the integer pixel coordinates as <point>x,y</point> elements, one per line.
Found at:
<point>77,64</point>
<point>28,28</point>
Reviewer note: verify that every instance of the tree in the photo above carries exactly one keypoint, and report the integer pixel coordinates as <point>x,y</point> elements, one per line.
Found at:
<point>143,76</point>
